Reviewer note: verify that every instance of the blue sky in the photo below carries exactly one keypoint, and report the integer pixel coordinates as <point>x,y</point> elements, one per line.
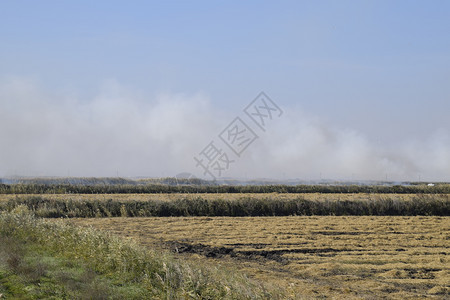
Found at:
<point>376,72</point>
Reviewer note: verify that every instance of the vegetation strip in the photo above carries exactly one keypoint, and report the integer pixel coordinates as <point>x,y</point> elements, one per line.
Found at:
<point>29,187</point>
<point>430,205</point>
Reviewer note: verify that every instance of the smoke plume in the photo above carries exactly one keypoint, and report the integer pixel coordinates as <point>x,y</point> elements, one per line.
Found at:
<point>121,132</point>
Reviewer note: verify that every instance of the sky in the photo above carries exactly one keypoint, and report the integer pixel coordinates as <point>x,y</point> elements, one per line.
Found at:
<point>142,88</point>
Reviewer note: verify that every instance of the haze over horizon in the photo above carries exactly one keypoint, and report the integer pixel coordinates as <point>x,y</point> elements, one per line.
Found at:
<point>114,89</point>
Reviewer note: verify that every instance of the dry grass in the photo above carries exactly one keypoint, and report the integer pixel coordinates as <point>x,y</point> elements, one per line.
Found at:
<point>313,257</point>
<point>212,196</point>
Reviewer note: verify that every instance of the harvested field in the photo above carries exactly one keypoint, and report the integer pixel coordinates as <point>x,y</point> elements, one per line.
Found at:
<point>316,256</point>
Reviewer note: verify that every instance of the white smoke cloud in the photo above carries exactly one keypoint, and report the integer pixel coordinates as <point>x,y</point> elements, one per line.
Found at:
<point>116,131</point>
<point>302,146</point>
<point>120,131</point>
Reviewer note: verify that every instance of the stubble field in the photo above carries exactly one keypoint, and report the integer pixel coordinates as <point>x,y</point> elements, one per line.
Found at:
<point>369,257</point>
